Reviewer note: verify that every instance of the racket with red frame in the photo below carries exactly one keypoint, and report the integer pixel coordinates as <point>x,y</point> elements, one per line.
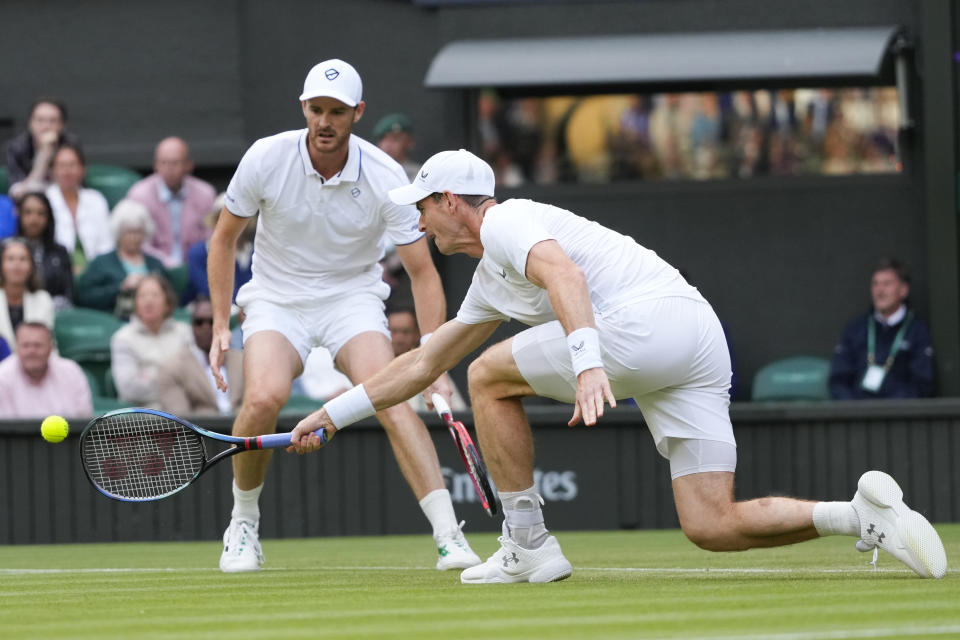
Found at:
<point>138,455</point>
<point>471,457</point>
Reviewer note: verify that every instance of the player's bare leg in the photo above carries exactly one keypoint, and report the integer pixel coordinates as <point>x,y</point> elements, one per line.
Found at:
<point>360,358</point>
<point>270,363</point>
<point>712,520</point>
<point>527,553</point>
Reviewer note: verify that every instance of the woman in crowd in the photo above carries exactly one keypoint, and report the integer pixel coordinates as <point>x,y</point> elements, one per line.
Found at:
<point>139,349</point>
<point>21,298</point>
<point>110,280</point>
<point>82,215</point>
<point>35,224</point>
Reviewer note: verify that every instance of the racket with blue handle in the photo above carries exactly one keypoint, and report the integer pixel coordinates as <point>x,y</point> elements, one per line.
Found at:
<point>138,455</point>
<point>476,469</point>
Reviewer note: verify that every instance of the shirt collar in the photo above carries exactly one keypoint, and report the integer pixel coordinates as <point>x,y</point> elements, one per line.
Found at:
<point>349,173</point>
<point>166,195</point>
<point>894,318</point>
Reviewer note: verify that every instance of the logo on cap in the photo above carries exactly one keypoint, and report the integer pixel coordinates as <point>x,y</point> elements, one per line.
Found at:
<point>331,74</point>
<point>423,175</point>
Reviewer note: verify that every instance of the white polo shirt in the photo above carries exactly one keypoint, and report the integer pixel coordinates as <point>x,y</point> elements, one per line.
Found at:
<point>618,270</point>
<point>317,239</point>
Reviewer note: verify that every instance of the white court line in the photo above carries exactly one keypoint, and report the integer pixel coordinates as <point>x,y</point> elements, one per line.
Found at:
<point>645,570</point>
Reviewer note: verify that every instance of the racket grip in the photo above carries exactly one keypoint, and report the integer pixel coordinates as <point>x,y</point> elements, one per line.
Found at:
<point>440,405</point>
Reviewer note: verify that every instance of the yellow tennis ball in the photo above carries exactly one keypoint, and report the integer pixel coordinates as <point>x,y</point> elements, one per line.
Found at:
<point>54,429</point>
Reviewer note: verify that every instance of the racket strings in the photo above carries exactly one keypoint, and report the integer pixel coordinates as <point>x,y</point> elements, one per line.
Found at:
<point>139,456</point>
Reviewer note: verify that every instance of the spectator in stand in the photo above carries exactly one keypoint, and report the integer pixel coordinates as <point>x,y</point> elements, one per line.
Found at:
<point>109,282</point>
<point>82,215</point>
<point>37,382</point>
<point>177,201</point>
<point>405,335</point>
<point>186,386</point>
<point>197,283</point>
<point>21,298</point>
<point>30,155</point>
<point>36,225</point>
<point>139,350</point>
<point>885,353</point>
<point>394,135</point>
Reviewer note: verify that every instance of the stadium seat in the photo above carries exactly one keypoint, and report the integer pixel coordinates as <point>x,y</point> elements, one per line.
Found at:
<point>301,405</point>
<point>179,278</point>
<point>84,334</point>
<point>95,381</point>
<point>4,181</point>
<point>101,405</point>
<point>112,181</point>
<point>795,378</point>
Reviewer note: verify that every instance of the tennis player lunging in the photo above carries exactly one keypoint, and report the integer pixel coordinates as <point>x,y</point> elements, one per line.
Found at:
<point>324,218</point>
<point>609,319</point>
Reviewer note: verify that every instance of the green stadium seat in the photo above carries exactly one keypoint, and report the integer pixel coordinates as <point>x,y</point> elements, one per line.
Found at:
<point>301,405</point>
<point>112,181</point>
<point>109,386</point>
<point>4,181</point>
<point>101,405</point>
<point>795,378</point>
<point>179,278</point>
<point>95,381</point>
<point>84,334</point>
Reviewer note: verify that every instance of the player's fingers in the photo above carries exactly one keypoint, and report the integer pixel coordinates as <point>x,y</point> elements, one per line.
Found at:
<point>576,415</point>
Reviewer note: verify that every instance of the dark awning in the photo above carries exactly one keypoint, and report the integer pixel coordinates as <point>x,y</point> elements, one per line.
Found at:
<point>694,60</point>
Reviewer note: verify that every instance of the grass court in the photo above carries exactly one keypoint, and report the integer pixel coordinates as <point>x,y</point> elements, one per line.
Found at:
<point>626,584</point>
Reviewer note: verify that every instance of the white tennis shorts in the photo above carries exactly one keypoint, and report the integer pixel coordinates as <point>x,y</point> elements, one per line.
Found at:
<point>330,324</point>
<point>668,354</point>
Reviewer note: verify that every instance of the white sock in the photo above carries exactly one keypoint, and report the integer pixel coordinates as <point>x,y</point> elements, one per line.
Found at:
<point>524,518</point>
<point>836,518</point>
<point>246,504</point>
<point>438,507</point>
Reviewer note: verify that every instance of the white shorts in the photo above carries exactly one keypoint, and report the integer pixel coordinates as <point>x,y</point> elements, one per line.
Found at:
<point>668,354</point>
<point>330,324</point>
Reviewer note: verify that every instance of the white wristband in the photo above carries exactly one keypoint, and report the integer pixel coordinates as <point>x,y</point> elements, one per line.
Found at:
<point>584,344</point>
<point>349,407</point>
<point>424,338</point>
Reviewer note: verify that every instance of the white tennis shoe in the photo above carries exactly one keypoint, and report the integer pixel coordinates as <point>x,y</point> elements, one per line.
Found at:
<point>454,551</point>
<point>513,563</point>
<point>241,547</point>
<point>886,522</point>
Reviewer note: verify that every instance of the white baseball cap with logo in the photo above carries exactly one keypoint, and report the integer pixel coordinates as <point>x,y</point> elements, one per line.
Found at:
<point>459,172</point>
<point>333,79</point>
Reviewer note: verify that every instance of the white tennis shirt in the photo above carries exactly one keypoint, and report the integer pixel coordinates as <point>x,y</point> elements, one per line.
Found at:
<point>317,239</point>
<point>618,270</point>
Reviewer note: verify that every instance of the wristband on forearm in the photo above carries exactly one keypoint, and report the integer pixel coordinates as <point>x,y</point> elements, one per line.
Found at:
<point>424,338</point>
<point>349,407</point>
<point>584,344</point>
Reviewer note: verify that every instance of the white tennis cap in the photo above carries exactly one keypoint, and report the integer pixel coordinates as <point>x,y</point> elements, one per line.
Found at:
<point>333,79</point>
<point>459,172</point>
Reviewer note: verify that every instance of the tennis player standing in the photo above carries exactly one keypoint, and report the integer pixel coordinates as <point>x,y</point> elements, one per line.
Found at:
<point>324,217</point>
<point>609,319</point>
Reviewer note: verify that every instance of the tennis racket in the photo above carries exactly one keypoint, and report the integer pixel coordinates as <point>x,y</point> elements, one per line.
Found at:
<point>468,452</point>
<point>138,455</point>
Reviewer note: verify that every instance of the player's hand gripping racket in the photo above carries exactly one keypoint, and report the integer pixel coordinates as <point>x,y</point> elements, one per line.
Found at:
<point>137,455</point>
<point>471,457</point>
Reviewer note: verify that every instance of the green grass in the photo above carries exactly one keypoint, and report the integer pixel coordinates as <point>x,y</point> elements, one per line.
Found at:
<point>642,584</point>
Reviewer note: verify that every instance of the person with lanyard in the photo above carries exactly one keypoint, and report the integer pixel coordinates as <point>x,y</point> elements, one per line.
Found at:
<point>885,353</point>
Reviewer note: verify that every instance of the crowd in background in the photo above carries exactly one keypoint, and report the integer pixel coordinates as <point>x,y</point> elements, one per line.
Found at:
<point>698,136</point>
<point>65,248</point>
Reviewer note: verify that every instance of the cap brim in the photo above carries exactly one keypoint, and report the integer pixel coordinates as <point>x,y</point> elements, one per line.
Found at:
<point>328,94</point>
<point>409,194</point>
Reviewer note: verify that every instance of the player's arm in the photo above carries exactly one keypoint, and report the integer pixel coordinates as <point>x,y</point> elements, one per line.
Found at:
<point>550,268</point>
<point>429,302</point>
<point>403,378</point>
<point>220,270</point>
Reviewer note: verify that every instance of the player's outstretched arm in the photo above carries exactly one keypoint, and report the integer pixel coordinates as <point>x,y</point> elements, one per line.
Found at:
<point>403,378</point>
<point>550,268</point>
